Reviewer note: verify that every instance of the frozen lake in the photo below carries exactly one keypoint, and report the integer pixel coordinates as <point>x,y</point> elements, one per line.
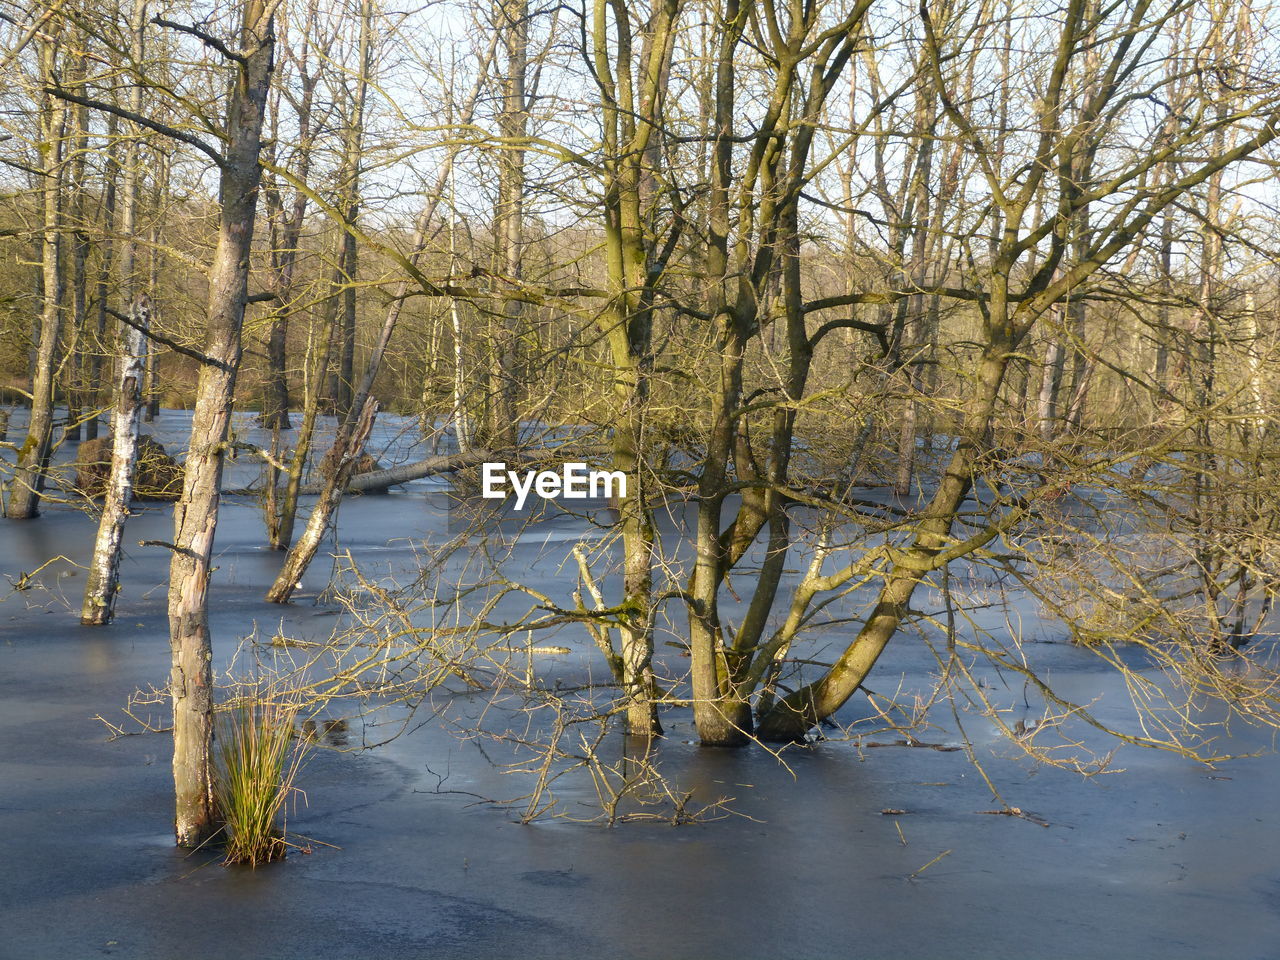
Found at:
<point>1168,858</point>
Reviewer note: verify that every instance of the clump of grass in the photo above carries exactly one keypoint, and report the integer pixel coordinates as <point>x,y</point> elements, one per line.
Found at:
<point>256,770</point>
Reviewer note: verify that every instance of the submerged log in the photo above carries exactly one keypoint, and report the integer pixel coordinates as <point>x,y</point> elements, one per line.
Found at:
<point>379,481</point>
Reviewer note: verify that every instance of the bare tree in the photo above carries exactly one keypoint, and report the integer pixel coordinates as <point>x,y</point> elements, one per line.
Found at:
<point>33,457</point>
<point>196,513</point>
<point>1014,301</point>
<point>101,586</point>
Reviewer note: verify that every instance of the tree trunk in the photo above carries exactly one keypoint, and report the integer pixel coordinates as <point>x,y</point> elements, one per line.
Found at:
<point>282,510</point>
<point>791,717</point>
<point>101,584</point>
<point>379,481</point>
<point>275,397</point>
<point>346,332</point>
<point>923,233</point>
<point>633,104</point>
<point>718,724</point>
<point>93,375</point>
<point>1050,387</point>
<point>349,442</point>
<point>637,578</point>
<point>196,513</point>
<point>284,254</point>
<point>513,122</point>
<point>345,403</point>
<point>33,455</point>
<point>77,349</point>
<point>342,457</point>
<point>151,396</point>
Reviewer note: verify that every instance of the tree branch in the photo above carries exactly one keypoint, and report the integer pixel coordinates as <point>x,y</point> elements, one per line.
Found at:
<point>207,39</point>
<point>162,128</point>
<point>166,341</point>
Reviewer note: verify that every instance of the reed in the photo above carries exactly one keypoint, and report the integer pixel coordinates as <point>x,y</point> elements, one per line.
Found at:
<point>256,770</point>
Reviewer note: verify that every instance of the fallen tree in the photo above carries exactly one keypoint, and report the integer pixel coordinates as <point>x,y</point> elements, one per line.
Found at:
<point>379,481</point>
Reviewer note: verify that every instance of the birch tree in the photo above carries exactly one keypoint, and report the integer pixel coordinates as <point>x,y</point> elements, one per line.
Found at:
<point>102,582</point>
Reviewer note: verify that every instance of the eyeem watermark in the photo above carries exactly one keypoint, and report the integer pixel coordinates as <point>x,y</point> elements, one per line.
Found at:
<point>573,481</point>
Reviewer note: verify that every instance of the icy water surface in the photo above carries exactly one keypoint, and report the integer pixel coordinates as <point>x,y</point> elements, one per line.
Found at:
<point>1167,859</point>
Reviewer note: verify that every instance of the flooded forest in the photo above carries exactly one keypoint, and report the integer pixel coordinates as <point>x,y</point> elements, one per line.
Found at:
<point>674,479</point>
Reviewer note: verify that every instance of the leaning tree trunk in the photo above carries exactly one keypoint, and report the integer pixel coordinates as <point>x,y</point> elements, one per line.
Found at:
<point>195,515</point>
<point>347,447</point>
<point>353,431</point>
<point>104,570</point>
<point>341,460</point>
<point>282,506</point>
<point>791,717</point>
<point>33,456</point>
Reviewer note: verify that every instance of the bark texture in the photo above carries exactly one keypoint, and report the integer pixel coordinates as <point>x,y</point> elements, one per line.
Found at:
<point>196,514</point>
<point>104,569</point>
<point>102,583</point>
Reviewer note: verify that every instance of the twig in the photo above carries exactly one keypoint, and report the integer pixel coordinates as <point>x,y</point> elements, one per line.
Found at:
<point>1015,812</point>
<point>944,853</point>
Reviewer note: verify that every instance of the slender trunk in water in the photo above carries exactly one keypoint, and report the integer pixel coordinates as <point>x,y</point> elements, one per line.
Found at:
<point>104,570</point>
<point>195,515</point>
<point>348,445</point>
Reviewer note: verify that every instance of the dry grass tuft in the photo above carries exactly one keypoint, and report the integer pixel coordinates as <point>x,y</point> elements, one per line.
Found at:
<point>257,766</point>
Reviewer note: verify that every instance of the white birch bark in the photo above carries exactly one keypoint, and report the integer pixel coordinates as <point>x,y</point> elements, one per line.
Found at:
<point>104,569</point>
